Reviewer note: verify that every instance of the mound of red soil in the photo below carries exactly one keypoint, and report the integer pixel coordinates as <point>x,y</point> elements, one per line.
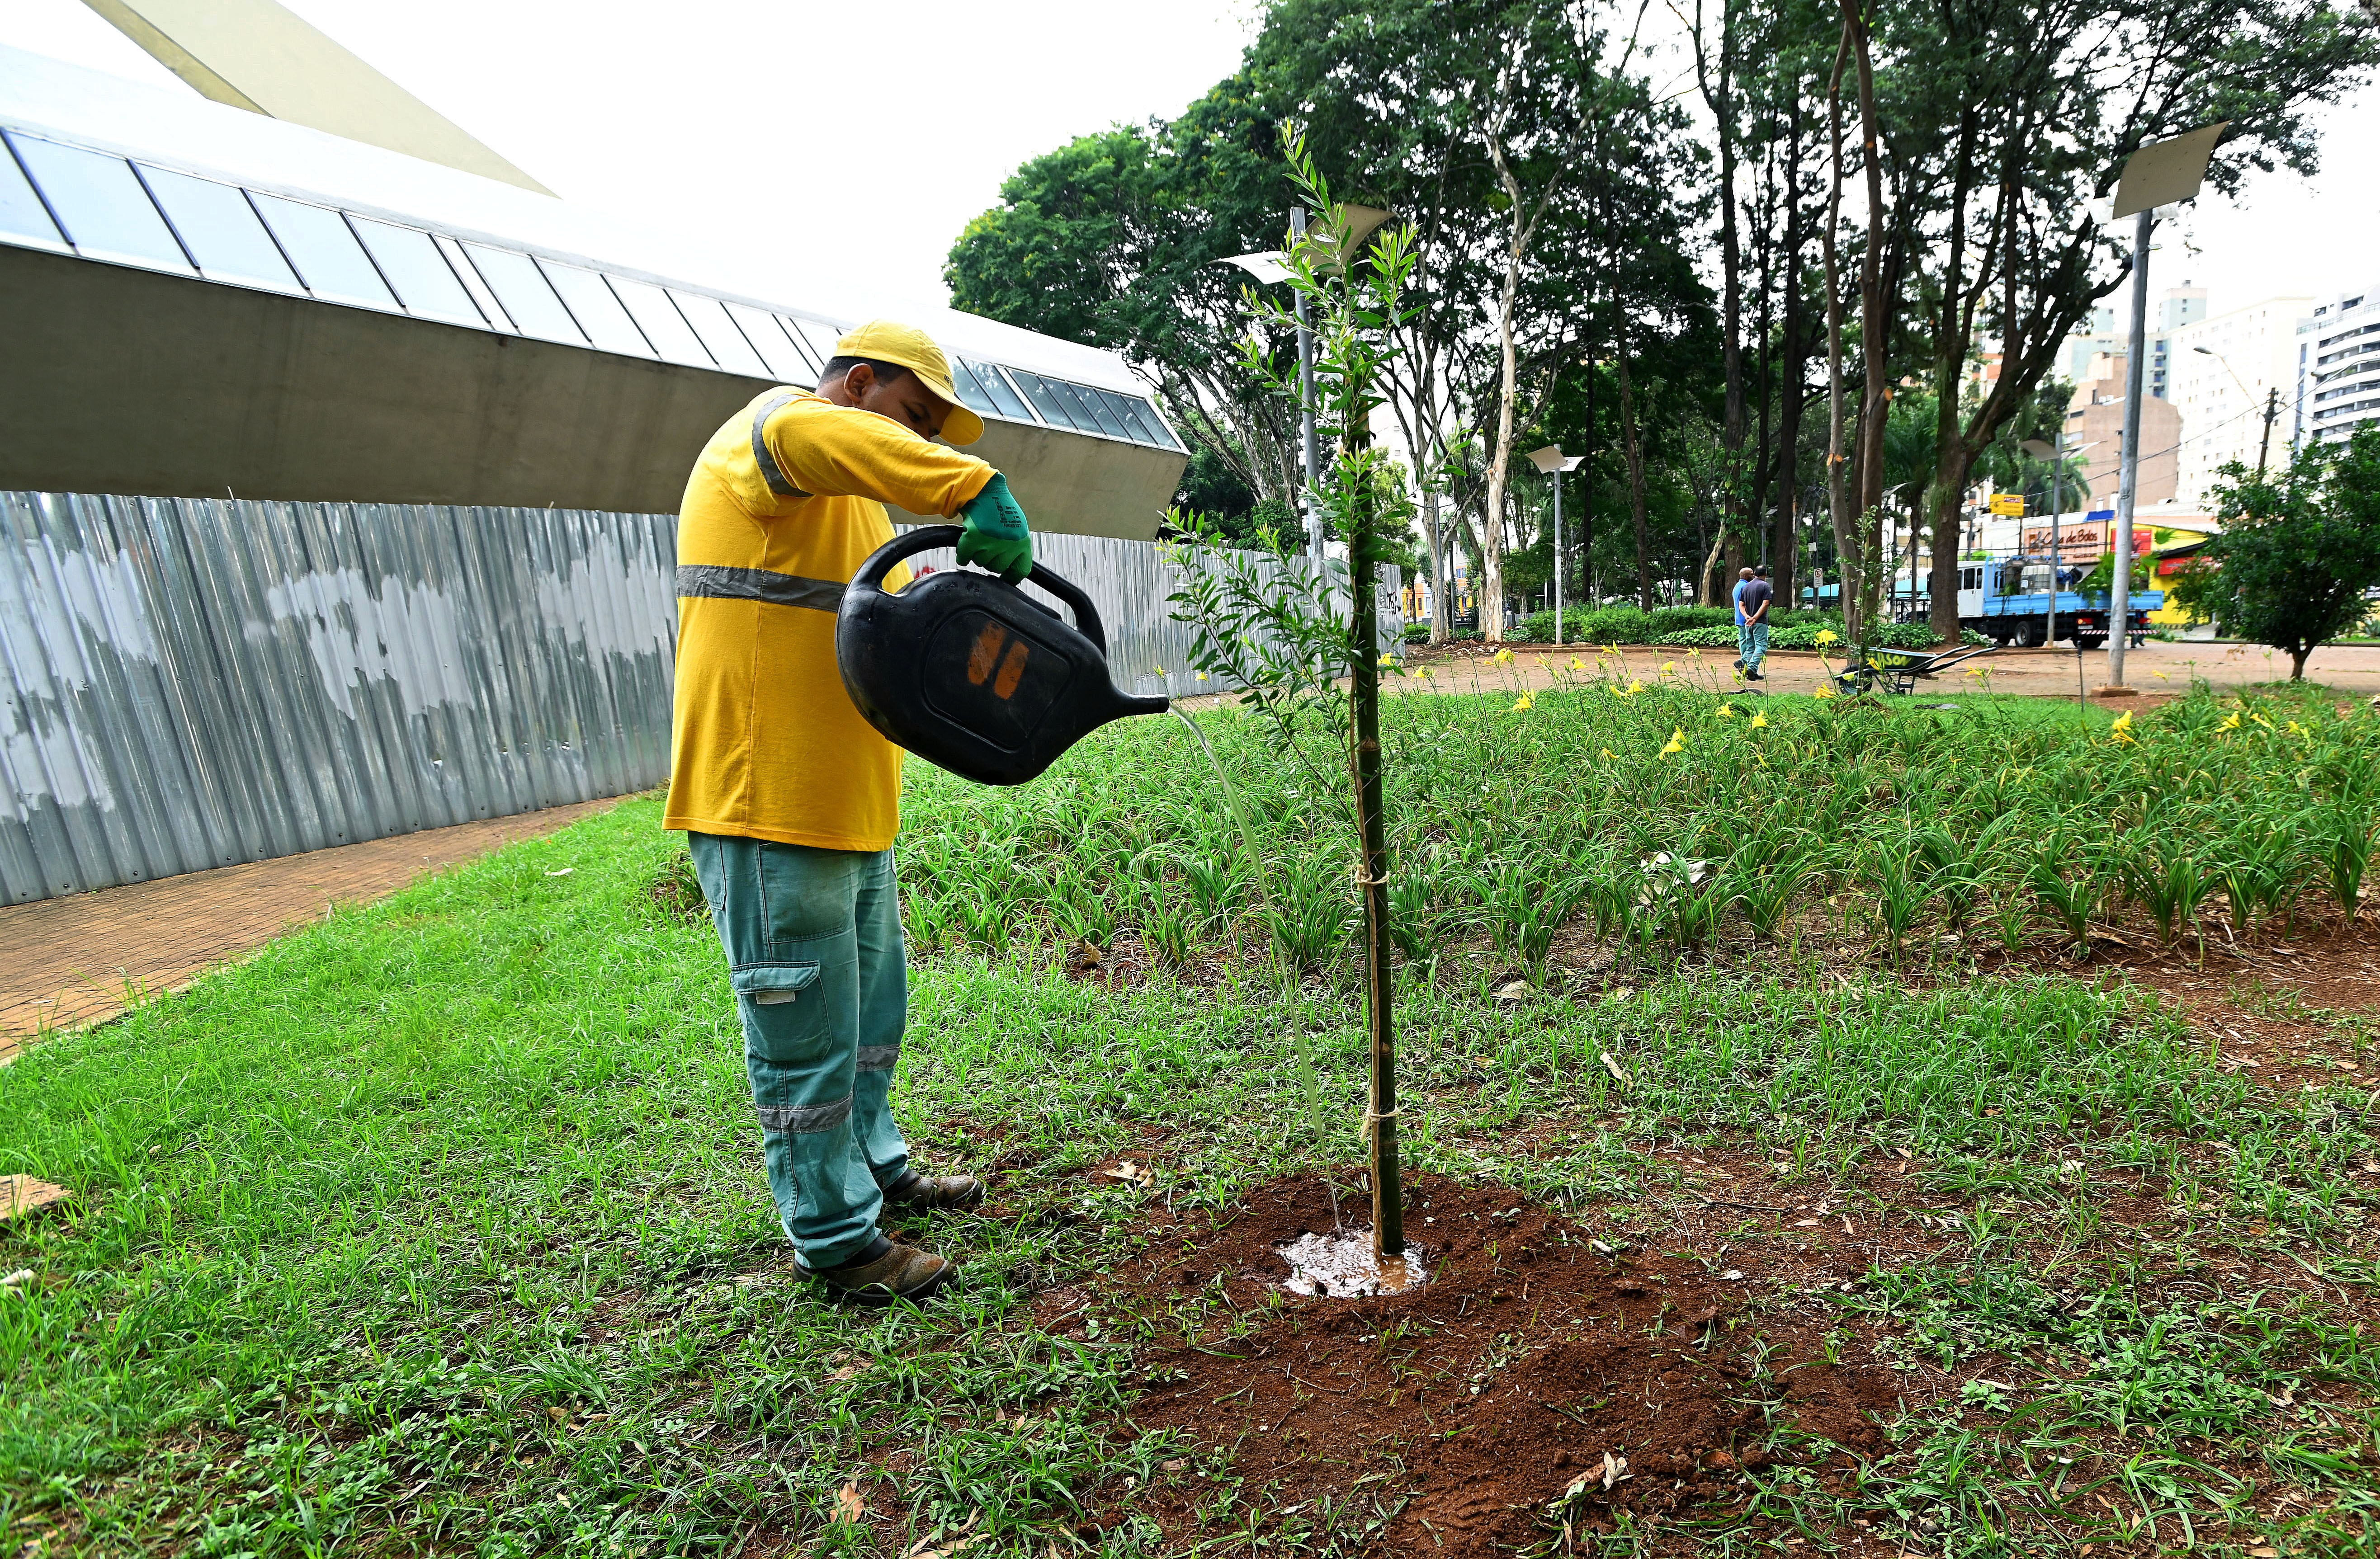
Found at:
<point>1534,1381</point>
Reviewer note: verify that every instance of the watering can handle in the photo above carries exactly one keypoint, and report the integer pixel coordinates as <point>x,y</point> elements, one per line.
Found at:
<point>925,538</point>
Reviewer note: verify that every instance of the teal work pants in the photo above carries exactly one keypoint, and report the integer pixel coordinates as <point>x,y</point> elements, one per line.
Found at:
<point>815,955</point>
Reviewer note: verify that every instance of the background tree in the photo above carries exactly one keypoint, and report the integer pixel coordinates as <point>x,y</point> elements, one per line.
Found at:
<point>2298,549</point>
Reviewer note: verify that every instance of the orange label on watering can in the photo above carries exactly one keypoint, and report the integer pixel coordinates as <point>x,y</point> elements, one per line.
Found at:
<point>986,654</point>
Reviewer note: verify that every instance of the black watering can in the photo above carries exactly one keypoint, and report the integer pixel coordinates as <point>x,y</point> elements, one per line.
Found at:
<point>968,672</point>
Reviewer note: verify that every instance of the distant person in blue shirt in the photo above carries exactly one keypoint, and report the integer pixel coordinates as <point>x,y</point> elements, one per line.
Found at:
<point>1735,598</point>
<point>1752,599</point>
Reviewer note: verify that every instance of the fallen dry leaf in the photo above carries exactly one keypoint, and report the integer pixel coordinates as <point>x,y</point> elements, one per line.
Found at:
<point>848,1506</point>
<point>1618,1074</point>
<point>22,1193</point>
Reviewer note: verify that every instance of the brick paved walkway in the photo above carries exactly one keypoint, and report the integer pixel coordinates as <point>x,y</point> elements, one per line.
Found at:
<point>70,961</point>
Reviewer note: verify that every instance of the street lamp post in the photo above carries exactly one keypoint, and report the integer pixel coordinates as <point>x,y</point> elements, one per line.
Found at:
<point>2154,176</point>
<point>1553,462</point>
<point>1272,265</point>
<point>2272,404</point>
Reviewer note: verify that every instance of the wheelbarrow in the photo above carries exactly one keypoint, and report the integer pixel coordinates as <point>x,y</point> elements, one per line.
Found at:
<point>1896,671</point>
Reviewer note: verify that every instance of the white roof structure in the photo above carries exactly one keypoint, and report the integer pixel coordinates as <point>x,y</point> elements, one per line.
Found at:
<point>142,179</point>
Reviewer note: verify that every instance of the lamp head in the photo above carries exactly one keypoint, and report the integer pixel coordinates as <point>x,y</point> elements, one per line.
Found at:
<point>1548,459</point>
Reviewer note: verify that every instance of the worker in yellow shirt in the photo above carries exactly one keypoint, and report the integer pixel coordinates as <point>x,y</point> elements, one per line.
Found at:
<point>790,800</point>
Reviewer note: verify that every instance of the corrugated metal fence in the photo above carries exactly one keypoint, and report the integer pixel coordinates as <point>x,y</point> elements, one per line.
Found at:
<point>194,683</point>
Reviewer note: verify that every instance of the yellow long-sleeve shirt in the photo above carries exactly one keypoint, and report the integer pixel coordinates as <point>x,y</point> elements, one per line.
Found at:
<point>785,503</point>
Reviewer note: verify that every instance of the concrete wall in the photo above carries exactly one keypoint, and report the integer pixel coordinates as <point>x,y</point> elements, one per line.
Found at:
<point>124,381</point>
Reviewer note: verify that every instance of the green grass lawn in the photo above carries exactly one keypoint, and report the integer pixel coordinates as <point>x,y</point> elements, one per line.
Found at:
<point>439,1226</point>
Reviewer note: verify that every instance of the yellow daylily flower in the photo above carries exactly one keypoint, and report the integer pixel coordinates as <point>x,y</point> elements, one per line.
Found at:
<point>1727,711</point>
<point>1610,756</point>
<point>2122,730</point>
<point>1822,691</point>
<point>1576,664</point>
<point>1667,667</point>
<point>1423,672</point>
<point>1677,742</point>
<point>1827,636</point>
<point>1634,686</point>
<point>1502,657</point>
<point>2299,730</point>
<point>1523,702</point>
<point>1202,676</point>
<point>1760,722</point>
<point>1388,659</point>
<point>2160,676</point>
<point>2230,721</point>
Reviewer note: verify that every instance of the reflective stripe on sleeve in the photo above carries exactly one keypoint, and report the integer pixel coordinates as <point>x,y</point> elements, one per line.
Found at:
<point>760,455</point>
<point>720,582</point>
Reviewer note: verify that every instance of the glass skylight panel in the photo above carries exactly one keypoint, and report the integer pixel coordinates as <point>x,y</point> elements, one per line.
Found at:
<point>425,284</point>
<point>820,337</point>
<point>793,329</point>
<point>106,213</point>
<point>1108,422</point>
<point>1138,416</point>
<point>1056,413</point>
<point>329,260</point>
<point>719,332</point>
<point>220,230</point>
<point>963,381</point>
<point>768,338</point>
<point>662,325</point>
<point>598,312</point>
<point>522,288</point>
<point>22,215</point>
<point>996,386</point>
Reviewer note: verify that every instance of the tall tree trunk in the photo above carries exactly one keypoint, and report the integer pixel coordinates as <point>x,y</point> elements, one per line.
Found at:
<point>1721,101</point>
<point>1516,248</point>
<point>1847,569</point>
<point>1634,448</point>
<point>1784,549</point>
<point>1876,388</point>
<point>1440,577</point>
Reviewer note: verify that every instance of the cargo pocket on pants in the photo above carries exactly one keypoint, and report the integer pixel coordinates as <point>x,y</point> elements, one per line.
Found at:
<point>770,984</point>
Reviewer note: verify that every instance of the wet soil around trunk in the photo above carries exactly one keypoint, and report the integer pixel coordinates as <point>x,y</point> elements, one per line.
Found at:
<point>1537,1381</point>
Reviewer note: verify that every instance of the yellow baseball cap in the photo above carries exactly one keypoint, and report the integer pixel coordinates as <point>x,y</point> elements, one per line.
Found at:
<point>886,342</point>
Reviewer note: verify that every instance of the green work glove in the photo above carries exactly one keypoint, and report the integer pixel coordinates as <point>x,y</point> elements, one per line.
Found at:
<point>995,535</point>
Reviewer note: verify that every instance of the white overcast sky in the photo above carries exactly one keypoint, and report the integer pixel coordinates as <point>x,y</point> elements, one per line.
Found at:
<point>842,147</point>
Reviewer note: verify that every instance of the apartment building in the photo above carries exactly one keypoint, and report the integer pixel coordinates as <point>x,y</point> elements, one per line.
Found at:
<point>2337,368</point>
<point>2225,370</point>
<point>2109,332</point>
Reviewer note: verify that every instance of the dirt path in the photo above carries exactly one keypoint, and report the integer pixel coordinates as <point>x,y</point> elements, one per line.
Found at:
<point>70,961</point>
<point>2154,669</point>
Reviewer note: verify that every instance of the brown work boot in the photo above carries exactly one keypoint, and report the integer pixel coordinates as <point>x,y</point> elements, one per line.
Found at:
<point>934,1191</point>
<point>881,1274</point>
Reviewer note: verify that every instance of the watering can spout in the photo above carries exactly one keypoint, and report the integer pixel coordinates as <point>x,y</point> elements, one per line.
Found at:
<point>968,672</point>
